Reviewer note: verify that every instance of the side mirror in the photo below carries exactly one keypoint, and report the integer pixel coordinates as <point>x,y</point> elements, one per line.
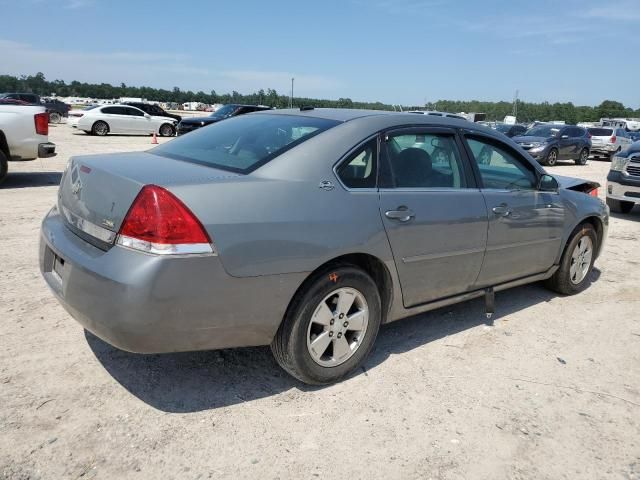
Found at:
<point>564,136</point>
<point>548,184</point>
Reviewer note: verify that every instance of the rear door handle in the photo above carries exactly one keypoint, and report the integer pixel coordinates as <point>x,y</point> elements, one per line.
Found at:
<point>501,210</point>
<point>402,214</point>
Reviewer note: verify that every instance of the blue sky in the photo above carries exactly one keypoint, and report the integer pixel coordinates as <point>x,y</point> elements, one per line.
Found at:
<point>395,51</point>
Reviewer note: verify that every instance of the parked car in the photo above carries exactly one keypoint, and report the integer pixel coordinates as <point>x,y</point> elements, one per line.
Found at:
<point>267,229</point>
<point>56,109</point>
<point>623,181</point>
<point>24,131</point>
<point>510,130</point>
<point>608,141</point>
<point>634,136</point>
<point>105,119</point>
<point>550,142</point>
<point>189,124</point>
<point>155,110</point>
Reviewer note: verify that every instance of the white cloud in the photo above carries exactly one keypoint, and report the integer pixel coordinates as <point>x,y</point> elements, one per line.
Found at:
<point>159,70</point>
<point>616,12</point>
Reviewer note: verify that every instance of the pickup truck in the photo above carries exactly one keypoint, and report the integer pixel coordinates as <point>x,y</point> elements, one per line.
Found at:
<point>55,107</point>
<point>24,131</point>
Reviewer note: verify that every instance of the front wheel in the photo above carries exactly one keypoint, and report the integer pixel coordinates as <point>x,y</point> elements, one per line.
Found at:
<point>100,128</point>
<point>584,155</point>
<point>576,263</point>
<point>167,130</point>
<point>619,206</point>
<point>55,117</point>
<point>330,327</point>
<point>552,157</point>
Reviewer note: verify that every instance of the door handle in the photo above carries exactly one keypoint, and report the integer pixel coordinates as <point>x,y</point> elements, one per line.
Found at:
<point>402,214</point>
<point>501,210</point>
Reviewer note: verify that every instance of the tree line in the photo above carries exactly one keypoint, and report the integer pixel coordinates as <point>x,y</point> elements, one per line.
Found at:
<point>527,111</point>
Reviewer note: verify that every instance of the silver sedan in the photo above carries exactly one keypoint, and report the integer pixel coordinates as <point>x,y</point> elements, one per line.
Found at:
<point>306,230</point>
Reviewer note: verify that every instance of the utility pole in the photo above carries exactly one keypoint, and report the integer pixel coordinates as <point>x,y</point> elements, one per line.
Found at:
<point>515,104</point>
<point>291,97</point>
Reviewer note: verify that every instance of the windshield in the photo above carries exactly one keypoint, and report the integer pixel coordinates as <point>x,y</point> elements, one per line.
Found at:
<point>601,132</point>
<point>224,111</point>
<point>243,143</point>
<point>542,131</point>
<point>503,127</point>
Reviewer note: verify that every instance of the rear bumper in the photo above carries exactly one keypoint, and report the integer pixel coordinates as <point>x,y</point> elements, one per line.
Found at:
<point>604,148</point>
<point>148,304</point>
<point>46,150</point>
<point>623,187</point>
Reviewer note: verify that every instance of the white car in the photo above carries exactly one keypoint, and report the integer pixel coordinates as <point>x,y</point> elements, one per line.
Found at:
<point>608,141</point>
<point>105,119</point>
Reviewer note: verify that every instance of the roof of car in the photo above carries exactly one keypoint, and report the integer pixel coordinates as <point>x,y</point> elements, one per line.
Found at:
<point>348,114</point>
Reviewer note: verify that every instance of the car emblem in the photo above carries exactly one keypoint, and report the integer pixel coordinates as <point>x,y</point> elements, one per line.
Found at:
<point>108,223</point>
<point>326,185</point>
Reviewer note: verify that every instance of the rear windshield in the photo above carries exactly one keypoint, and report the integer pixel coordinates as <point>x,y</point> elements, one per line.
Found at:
<point>243,143</point>
<point>601,132</point>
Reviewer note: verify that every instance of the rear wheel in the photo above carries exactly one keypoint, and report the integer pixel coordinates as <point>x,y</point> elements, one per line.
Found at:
<point>100,128</point>
<point>576,262</point>
<point>584,155</point>
<point>167,130</point>
<point>55,117</point>
<point>619,206</point>
<point>4,166</point>
<point>552,157</point>
<point>330,327</point>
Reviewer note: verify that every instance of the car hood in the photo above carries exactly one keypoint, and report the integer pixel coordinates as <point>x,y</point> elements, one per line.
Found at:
<point>527,139</point>
<point>200,120</point>
<point>573,183</point>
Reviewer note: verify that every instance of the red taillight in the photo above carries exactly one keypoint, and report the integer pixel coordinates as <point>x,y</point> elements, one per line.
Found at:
<point>158,217</point>
<point>594,192</point>
<point>42,123</point>
<point>613,139</point>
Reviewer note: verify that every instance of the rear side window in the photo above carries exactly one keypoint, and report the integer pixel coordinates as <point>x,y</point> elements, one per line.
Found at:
<point>426,160</point>
<point>359,170</point>
<point>245,142</point>
<point>112,110</point>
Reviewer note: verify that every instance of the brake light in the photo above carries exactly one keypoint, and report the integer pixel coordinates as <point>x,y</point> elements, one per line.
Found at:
<point>594,192</point>
<point>41,121</point>
<point>158,222</point>
<point>613,139</point>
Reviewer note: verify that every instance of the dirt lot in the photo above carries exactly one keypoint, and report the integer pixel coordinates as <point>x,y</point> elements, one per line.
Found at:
<point>549,390</point>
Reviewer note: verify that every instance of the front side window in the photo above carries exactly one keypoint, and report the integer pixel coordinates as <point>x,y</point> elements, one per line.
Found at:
<point>245,142</point>
<point>500,168</point>
<point>359,170</point>
<point>425,161</point>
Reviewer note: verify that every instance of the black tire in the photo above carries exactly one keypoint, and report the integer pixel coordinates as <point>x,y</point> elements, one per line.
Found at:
<point>289,346</point>
<point>167,130</point>
<point>100,128</point>
<point>561,280</point>
<point>620,206</point>
<point>55,117</point>
<point>584,156</point>
<point>552,157</point>
<point>4,166</point>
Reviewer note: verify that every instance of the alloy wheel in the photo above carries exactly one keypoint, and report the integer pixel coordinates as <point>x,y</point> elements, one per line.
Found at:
<point>337,327</point>
<point>552,158</point>
<point>581,260</point>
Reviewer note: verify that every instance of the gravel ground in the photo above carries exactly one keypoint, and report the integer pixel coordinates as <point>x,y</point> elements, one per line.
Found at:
<point>548,390</point>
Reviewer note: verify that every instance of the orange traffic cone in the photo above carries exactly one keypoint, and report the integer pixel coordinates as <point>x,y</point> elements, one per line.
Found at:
<point>154,140</point>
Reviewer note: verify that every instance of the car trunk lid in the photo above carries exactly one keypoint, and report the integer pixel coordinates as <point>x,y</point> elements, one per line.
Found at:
<point>97,191</point>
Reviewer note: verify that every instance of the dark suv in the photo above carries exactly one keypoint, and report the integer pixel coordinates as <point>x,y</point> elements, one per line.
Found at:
<point>189,124</point>
<point>153,109</point>
<point>549,142</point>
